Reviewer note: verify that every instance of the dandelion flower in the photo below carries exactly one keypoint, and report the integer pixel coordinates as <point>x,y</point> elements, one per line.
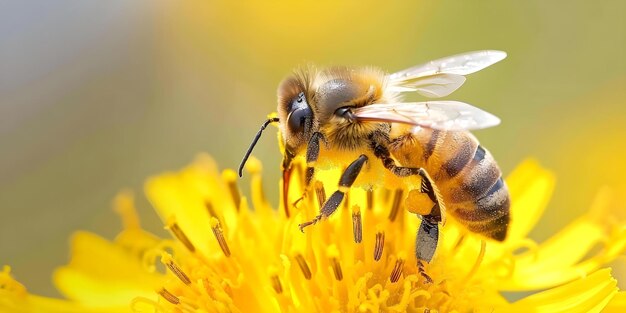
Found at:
<point>230,253</point>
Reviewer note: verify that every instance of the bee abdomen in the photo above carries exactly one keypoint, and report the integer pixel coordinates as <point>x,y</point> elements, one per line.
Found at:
<point>478,196</point>
<point>477,178</point>
<point>488,215</point>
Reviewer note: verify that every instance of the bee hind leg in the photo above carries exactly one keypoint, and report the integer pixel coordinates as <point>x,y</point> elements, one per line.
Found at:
<point>428,234</point>
<point>426,243</point>
<point>345,182</point>
<point>427,237</point>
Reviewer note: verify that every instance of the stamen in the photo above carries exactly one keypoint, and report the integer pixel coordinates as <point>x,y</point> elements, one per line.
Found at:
<point>278,287</point>
<point>321,193</point>
<point>125,207</point>
<point>209,206</point>
<point>230,177</point>
<point>304,266</point>
<point>397,270</point>
<point>479,260</point>
<point>379,245</point>
<point>357,225</point>
<point>180,235</point>
<point>334,262</point>
<point>141,304</point>
<point>255,168</point>
<point>370,199</point>
<point>395,208</point>
<point>174,268</point>
<point>219,235</point>
<point>169,296</point>
<point>333,256</point>
<point>458,243</point>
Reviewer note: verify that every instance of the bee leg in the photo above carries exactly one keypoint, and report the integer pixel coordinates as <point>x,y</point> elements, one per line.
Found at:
<point>381,152</point>
<point>422,271</point>
<point>312,154</point>
<point>345,182</point>
<point>427,238</point>
<point>428,233</point>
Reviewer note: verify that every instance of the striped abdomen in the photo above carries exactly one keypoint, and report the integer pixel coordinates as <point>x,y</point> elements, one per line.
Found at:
<point>466,175</point>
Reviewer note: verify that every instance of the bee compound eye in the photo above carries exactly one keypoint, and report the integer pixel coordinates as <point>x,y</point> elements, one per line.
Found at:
<point>346,112</point>
<point>298,118</point>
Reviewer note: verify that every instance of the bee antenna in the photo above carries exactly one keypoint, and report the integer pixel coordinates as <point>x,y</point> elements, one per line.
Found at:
<point>254,141</point>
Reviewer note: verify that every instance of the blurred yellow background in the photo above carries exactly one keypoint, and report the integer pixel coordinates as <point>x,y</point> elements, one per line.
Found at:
<point>97,96</point>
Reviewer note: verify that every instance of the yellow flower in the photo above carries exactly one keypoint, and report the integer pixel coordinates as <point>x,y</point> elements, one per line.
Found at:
<point>231,253</point>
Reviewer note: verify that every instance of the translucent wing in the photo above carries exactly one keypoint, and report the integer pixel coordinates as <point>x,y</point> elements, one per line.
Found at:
<point>433,86</point>
<point>441,77</point>
<point>441,115</point>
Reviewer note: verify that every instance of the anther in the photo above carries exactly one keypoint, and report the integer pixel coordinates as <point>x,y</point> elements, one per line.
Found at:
<point>370,199</point>
<point>304,266</point>
<point>334,262</point>
<point>169,296</point>
<point>209,207</point>
<point>278,287</point>
<point>397,199</point>
<point>397,270</point>
<point>219,235</point>
<point>230,177</point>
<point>379,245</point>
<point>357,225</point>
<point>321,193</point>
<point>333,256</point>
<point>175,269</point>
<point>180,235</point>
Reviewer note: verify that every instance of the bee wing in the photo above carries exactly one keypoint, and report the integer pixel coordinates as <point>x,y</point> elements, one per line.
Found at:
<point>433,86</point>
<point>441,115</point>
<point>441,77</point>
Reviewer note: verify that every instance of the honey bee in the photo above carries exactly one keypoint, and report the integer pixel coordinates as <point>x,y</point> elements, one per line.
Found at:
<point>359,114</point>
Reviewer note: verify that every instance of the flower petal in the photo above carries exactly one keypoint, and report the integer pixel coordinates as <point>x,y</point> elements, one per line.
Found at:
<point>15,299</point>
<point>617,304</point>
<point>565,256</point>
<point>530,187</point>
<point>103,274</point>
<point>189,198</point>
<point>586,295</point>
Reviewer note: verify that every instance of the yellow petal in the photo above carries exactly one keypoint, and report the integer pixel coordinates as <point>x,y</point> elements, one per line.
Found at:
<point>530,187</point>
<point>103,274</point>
<point>586,295</point>
<point>617,304</point>
<point>565,256</point>
<point>184,198</point>
<point>15,299</point>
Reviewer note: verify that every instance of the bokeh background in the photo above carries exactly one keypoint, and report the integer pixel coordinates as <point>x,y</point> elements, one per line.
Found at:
<point>95,96</point>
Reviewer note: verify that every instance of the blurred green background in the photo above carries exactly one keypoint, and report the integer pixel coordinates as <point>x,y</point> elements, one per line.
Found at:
<point>95,96</point>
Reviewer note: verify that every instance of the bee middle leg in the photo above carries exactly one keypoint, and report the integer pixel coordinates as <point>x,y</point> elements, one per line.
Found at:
<point>345,182</point>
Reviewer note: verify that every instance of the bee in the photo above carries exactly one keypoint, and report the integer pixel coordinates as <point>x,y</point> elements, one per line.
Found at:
<point>359,114</point>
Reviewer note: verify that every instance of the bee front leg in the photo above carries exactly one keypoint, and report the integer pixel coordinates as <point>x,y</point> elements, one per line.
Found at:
<point>345,182</point>
<point>312,154</point>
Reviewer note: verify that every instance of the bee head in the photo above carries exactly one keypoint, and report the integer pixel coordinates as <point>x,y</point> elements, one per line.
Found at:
<point>311,100</point>
<point>296,115</point>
